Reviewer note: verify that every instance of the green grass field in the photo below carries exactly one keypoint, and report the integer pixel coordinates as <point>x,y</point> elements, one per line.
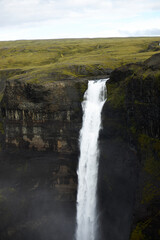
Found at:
<point>49,60</point>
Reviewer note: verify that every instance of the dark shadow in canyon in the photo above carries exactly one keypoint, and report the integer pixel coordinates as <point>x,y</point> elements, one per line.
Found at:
<point>37,196</point>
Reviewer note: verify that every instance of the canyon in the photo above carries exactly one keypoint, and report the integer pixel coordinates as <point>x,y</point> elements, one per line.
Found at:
<point>39,133</point>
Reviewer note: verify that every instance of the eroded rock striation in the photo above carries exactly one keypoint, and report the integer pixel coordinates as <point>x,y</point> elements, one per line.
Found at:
<point>43,117</point>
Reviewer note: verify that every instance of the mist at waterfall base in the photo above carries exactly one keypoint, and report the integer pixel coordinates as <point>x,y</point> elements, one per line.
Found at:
<point>29,210</point>
<point>87,214</point>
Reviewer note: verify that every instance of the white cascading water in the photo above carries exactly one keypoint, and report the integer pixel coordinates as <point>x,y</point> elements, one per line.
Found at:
<point>94,99</point>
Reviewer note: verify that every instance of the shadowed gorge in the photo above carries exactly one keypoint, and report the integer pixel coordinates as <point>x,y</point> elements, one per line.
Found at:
<point>40,120</point>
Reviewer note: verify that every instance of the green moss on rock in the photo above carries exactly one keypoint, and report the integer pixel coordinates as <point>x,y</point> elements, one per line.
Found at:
<point>137,233</point>
<point>150,151</point>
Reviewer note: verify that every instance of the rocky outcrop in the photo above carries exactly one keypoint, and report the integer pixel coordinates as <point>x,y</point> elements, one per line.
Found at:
<point>154,46</point>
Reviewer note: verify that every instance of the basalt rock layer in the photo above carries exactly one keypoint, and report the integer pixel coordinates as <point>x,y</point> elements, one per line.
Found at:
<point>43,117</point>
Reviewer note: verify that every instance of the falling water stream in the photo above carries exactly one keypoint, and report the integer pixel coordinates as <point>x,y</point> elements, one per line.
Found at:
<point>87,222</point>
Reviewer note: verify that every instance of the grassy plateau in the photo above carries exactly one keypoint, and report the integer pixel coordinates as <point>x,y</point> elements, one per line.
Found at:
<point>49,60</point>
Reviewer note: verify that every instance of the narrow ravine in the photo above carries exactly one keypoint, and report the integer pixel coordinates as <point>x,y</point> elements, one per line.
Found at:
<point>87,219</point>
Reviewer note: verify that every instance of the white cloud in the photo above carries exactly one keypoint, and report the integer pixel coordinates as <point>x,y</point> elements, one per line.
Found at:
<point>79,18</point>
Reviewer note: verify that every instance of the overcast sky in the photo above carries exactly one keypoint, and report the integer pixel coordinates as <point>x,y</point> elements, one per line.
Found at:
<point>45,19</point>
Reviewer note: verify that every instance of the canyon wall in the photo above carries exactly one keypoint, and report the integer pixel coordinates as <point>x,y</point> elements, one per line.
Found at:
<point>39,131</point>
<point>39,153</point>
<point>130,153</point>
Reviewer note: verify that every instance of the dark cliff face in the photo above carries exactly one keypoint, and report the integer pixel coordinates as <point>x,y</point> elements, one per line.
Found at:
<point>118,173</point>
<point>39,138</point>
<point>43,117</point>
<point>130,153</point>
<point>46,118</point>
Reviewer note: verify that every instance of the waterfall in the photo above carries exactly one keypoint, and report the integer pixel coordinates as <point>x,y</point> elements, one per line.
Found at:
<point>87,222</point>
